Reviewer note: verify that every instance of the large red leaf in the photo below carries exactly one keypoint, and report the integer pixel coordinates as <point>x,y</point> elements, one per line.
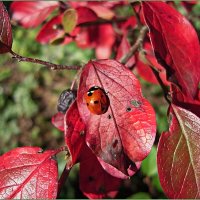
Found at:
<point>128,127</point>
<point>6,31</point>
<point>178,156</point>
<point>28,173</point>
<point>95,182</point>
<point>176,45</point>
<point>32,13</point>
<point>74,134</point>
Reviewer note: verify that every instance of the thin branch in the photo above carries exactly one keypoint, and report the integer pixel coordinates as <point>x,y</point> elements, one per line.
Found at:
<point>134,48</point>
<point>164,88</point>
<point>41,62</point>
<point>137,17</point>
<point>62,179</point>
<point>75,79</point>
<point>156,73</point>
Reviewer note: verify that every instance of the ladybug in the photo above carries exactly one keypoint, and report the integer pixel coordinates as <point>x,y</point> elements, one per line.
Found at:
<point>65,100</point>
<point>97,101</point>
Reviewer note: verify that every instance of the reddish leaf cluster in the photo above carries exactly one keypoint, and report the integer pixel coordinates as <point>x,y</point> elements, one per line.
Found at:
<point>178,51</point>
<point>111,146</point>
<point>66,27</point>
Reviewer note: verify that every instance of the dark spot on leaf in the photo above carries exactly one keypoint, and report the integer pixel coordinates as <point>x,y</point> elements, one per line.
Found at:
<point>102,189</point>
<point>136,103</point>
<point>96,102</point>
<point>109,116</point>
<point>115,143</point>
<point>90,178</point>
<point>128,109</point>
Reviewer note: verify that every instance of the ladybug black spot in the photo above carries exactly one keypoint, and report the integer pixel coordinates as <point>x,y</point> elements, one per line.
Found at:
<point>93,88</point>
<point>89,94</point>
<point>87,104</point>
<point>96,102</point>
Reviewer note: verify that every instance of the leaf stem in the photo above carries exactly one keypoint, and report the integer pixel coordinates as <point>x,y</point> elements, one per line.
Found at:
<point>164,88</point>
<point>156,73</point>
<point>62,179</point>
<point>134,48</point>
<point>41,62</point>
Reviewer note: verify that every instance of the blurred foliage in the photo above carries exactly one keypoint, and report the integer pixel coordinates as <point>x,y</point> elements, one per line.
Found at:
<point>28,98</point>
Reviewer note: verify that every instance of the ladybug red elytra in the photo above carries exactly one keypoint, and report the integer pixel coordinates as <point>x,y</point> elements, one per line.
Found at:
<point>97,101</point>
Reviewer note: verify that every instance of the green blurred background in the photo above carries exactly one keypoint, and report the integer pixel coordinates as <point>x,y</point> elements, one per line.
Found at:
<point>28,100</point>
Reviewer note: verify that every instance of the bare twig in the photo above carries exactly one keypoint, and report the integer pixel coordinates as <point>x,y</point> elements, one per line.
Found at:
<point>41,62</point>
<point>62,179</point>
<point>65,172</point>
<point>137,17</point>
<point>156,73</point>
<point>134,48</point>
<point>164,88</point>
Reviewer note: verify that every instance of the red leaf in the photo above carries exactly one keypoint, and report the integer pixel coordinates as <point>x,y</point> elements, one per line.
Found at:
<point>145,71</point>
<point>6,31</point>
<point>95,182</point>
<point>183,101</point>
<point>105,41</point>
<point>175,44</point>
<point>27,173</point>
<point>178,156</point>
<point>31,14</point>
<point>126,170</point>
<point>128,127</point>
<point>74,133</point>
<point>58,121</point>
<point>101,37</point>
<point>51,30</point>
<point>86,15</point>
